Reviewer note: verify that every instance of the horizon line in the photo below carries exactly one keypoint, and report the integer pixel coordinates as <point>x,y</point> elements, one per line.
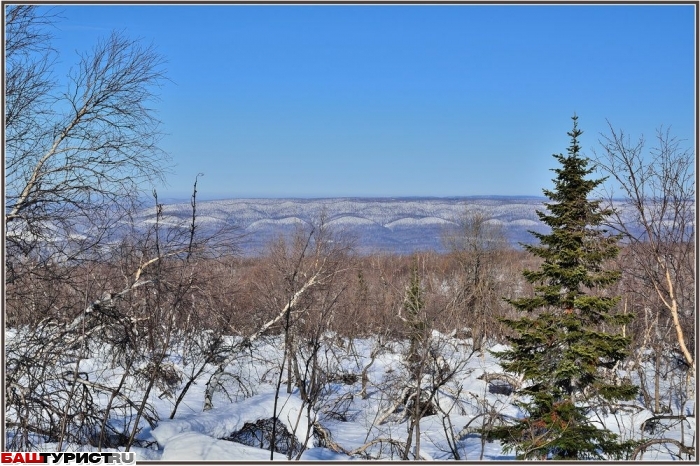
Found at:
<point>320,197</point>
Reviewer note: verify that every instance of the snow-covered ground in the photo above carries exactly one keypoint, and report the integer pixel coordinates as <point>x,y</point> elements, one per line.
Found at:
<point>362,424</point>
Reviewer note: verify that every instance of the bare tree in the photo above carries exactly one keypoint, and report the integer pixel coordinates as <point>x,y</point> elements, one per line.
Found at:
<point>75,159</point>
<point>477,245</point>
<point>28,80</point>
<point>656,217</point>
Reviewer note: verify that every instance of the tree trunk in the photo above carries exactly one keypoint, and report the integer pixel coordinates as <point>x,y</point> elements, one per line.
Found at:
<point>290,373</point>
<point>673,307</point>
<point>657,381</point>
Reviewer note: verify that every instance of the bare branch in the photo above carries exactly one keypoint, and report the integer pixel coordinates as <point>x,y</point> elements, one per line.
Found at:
<point>75,161</point>
<point>655,216</point>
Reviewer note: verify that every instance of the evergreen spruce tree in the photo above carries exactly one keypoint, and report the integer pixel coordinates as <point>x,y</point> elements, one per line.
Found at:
<point>565,337</point>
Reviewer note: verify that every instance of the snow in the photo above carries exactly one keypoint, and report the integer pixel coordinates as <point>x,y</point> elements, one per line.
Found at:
<point>224,420</point>
<point>409,222</point>
<point>197,435</point>
<point>195,446</point>
<point>351,220</point>
<point>275,222</point>
<point>524,222</point>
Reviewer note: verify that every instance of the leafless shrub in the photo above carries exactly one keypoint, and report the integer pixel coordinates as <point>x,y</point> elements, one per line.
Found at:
<point>262,434</point>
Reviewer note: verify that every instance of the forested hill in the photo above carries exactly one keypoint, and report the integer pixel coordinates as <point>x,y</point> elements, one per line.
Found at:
<point>397,225</point>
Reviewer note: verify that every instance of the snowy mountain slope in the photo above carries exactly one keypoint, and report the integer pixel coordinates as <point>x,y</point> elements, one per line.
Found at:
<point>399,225</point>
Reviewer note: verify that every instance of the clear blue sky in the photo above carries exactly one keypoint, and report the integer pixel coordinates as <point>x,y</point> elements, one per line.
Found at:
<point>371,100</point>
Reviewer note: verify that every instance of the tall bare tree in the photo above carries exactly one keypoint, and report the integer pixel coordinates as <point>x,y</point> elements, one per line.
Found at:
<point>80,151</point>
<point>77,152</point>
<point>477,246</point>
<point>656,216</point>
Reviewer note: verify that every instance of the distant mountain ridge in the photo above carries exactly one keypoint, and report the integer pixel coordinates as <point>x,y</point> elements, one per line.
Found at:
<point>398,225</point>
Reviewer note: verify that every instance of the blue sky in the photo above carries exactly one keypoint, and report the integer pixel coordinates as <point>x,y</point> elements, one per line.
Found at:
<point>372,100</point>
